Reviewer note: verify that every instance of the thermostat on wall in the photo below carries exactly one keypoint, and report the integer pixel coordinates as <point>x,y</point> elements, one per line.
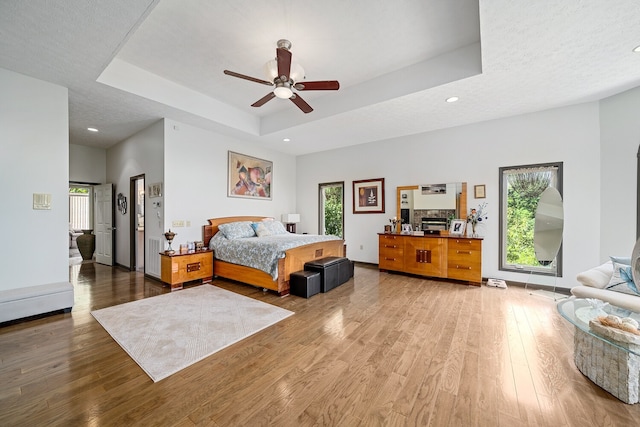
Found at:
<point>41,201</point>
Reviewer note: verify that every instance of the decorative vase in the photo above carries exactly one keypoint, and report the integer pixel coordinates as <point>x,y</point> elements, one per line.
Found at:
<point>86,244</point>
<point>473,229</point>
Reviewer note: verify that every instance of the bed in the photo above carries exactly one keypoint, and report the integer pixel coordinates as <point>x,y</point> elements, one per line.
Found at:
<point>293,260</point>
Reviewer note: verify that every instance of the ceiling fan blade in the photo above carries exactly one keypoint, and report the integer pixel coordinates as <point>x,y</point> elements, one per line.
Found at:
<point>251,79</point>
<point>284,63</point>
<point>260,102</point>
<point>319,85</point>
<point>301,103</point>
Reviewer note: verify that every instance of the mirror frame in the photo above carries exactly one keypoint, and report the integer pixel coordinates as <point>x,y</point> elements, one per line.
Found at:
<point>399,190</point>
<point>546,244</point>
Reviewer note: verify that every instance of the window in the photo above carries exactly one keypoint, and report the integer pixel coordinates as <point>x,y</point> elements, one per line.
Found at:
<point>520,189</point>
<point>331,205</point>
<point>80,209</point>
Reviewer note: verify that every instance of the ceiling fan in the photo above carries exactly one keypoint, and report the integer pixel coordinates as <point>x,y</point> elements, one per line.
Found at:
<point>286,75</point>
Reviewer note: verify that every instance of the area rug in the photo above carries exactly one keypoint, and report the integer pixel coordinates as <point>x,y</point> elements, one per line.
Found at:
<point>169,332</point>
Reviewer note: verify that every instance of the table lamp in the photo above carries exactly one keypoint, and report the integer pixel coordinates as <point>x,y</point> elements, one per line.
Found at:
<point>290,220</point>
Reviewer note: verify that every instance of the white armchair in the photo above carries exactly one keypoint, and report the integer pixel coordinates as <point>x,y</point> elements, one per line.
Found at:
<point>73,235</point>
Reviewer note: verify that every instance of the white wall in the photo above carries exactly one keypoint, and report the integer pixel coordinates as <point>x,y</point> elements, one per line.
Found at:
<point>34,136</point>
<point>620,138</point>
<point>473,154</point>
<point>191,164</point>
<point>143,153</point>
<point>196,163</point>
<point>87,164</point>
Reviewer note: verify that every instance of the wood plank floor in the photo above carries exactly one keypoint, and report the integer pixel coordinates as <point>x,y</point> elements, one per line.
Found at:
<point>383,349</point>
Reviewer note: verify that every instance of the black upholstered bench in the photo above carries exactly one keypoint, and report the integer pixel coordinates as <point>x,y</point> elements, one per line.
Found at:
<point>304,283</point>
<point>334,271</point>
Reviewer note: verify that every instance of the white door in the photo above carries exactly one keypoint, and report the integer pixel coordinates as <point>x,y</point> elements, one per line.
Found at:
<point>103,223</point>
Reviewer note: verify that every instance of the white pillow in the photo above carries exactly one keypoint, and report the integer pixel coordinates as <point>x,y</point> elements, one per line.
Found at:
<point>269,228</point>
<point>597,277</point>
<point>276,227</point>
<point>626,260</point>
<point>261,229</point>
<point>622,280</point>
<point>237,230</point>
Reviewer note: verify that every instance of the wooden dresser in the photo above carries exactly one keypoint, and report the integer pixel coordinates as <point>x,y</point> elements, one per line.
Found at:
<point>187,266</point>
<point>450,257</point>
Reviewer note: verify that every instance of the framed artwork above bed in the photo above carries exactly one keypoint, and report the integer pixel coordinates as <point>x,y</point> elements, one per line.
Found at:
<point>249,177</point>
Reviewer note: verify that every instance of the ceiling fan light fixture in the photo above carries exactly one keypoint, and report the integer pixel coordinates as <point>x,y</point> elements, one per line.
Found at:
<point>285,75</point>
<point>283,91</point>
<point>297,72</point>
<point>271,71</point>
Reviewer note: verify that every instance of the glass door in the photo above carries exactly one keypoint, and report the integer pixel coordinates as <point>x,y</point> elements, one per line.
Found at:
<point>331,205</point>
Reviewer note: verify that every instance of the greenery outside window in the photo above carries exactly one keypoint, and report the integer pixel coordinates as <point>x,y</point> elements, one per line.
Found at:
<point>331,205</point>
<point>520,190</point>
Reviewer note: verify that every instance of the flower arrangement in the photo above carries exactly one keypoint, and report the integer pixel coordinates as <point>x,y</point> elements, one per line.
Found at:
<point>476,216</point>
<point>394,222</point>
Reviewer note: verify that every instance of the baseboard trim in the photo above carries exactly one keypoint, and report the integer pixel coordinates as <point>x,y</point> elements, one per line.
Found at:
<point>535,287</point>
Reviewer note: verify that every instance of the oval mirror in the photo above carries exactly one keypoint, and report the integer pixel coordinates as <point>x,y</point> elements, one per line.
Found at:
<point>635,263</point>
<point>549,223</point>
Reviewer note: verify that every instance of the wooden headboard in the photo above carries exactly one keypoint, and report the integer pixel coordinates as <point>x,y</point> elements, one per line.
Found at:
<point>208,231</point>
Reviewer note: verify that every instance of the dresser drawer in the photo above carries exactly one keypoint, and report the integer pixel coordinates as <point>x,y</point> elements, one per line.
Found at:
<point>390,258</point>
<point>390,239</point>
<point>464,272</point>
<point>391,263</point>
<point>464,260</point>
<point>391,252</point>
<point>465,244</point>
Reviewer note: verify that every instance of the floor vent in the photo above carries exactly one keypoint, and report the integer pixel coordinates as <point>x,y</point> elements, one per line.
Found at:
<point>153,257</point>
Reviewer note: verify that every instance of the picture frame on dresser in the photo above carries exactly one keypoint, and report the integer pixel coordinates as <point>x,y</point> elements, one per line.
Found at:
<point>457,227</point>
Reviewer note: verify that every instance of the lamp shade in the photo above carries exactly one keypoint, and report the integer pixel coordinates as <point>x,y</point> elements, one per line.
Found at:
<point>290,218</point>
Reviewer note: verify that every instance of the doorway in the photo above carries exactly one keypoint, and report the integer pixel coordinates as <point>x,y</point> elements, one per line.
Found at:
<point>80,217</point>
<point>137,236</point>
<point>80,207</point>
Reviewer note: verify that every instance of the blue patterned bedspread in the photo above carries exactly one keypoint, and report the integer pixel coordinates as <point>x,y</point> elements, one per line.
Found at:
<point>261,253</point>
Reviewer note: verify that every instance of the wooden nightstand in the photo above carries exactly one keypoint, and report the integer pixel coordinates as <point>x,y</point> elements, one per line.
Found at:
<point>186,266</point>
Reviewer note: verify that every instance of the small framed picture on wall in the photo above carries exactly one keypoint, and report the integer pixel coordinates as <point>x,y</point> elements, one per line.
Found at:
<point>479,191</point>
<point>155,190</point>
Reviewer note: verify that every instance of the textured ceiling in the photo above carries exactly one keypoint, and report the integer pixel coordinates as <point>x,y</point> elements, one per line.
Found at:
<point>128,63</point>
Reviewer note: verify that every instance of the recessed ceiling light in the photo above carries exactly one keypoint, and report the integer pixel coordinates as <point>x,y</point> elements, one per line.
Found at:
<point>637,49</point>
<point>92,129</point>
<point>452,99</point>
<point>286,140</point>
